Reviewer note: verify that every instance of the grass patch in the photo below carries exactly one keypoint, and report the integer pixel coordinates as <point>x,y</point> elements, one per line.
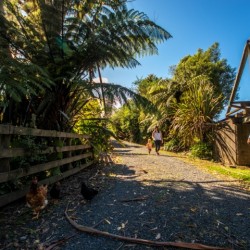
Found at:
<point>237,173</point>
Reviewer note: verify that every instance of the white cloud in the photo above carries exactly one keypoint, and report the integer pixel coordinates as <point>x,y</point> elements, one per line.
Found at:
<point>104,80</point>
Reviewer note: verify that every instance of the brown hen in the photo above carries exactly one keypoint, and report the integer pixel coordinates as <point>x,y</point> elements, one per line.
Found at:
<point>36,198</point>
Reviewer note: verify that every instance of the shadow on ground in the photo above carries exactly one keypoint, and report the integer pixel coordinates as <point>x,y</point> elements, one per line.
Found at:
<point>205,211</point>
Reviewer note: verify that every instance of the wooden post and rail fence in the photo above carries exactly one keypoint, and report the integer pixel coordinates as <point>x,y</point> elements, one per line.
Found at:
<point>63,154</point>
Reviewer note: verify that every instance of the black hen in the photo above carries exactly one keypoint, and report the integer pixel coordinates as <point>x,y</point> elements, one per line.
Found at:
<point>87,192</point>
<point>55,191</point>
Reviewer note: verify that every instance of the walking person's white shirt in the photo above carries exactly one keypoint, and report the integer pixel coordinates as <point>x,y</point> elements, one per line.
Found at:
<point>157,136</point>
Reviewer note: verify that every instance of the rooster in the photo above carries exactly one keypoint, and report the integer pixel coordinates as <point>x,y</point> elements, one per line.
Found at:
<point>87,192</point>
<point>36,198</point>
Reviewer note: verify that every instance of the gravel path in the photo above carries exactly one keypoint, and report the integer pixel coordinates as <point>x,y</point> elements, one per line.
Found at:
<point>145,196</point>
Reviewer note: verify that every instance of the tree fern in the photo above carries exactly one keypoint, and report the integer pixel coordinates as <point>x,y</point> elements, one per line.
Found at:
<point>54,46</point>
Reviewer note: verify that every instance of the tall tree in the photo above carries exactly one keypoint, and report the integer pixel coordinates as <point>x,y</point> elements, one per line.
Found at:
<point>209,64</point>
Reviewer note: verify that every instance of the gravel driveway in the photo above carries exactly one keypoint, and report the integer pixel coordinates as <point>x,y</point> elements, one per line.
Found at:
<point>158,198</point>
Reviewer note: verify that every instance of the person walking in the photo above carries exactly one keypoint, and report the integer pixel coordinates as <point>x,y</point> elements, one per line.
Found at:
<point>157,137</point>
<point>149,145</point>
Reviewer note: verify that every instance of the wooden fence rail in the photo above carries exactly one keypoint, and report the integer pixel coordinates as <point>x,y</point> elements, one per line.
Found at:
<point>63,153</point>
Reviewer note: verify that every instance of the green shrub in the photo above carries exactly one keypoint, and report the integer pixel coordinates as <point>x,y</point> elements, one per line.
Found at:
<point>201,150</point>
<point>33,146</point>
<point>173,145</point>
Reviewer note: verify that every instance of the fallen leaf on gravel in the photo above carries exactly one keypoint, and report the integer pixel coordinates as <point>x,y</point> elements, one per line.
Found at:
<point>192,225</point>
<point>158,236</point>
<point>155,228</point>
<point>193,209</point>
<point>107,221</point>
<point>122,226</point>
<point>219,222</point>
<point>45,230</point>
<point>112,175</point>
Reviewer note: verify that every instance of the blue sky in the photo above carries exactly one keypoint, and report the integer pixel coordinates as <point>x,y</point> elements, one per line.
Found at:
<point>193,24</point>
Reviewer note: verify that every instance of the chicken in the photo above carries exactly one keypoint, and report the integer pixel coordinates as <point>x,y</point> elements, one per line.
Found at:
<point>36,198</point>
<point>55,191</point>
<point>87,192</point>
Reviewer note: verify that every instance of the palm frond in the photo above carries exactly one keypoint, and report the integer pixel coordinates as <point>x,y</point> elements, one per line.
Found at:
<point>116,92</point>
<point>62,41</point>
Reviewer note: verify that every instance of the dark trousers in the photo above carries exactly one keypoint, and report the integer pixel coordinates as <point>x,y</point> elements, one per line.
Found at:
<point>157,145</point>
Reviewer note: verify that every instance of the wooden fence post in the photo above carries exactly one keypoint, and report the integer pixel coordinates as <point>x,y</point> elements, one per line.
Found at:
<point>4,162</point>
<point>69,153</point>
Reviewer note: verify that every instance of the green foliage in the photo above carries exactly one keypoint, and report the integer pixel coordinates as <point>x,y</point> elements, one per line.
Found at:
<point>98,128</point>
<point>201,150</point>
<point>143,86</point>
<point>50,63</point>
<point>33,148</point>
<point>173,145</point>
<point>13,185</point>
<point>126,123</point>
<point>208,64</point>
<point>161,93</point>
<point>100,134</point>
<point>188,103</point>
<point>193,117</point>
